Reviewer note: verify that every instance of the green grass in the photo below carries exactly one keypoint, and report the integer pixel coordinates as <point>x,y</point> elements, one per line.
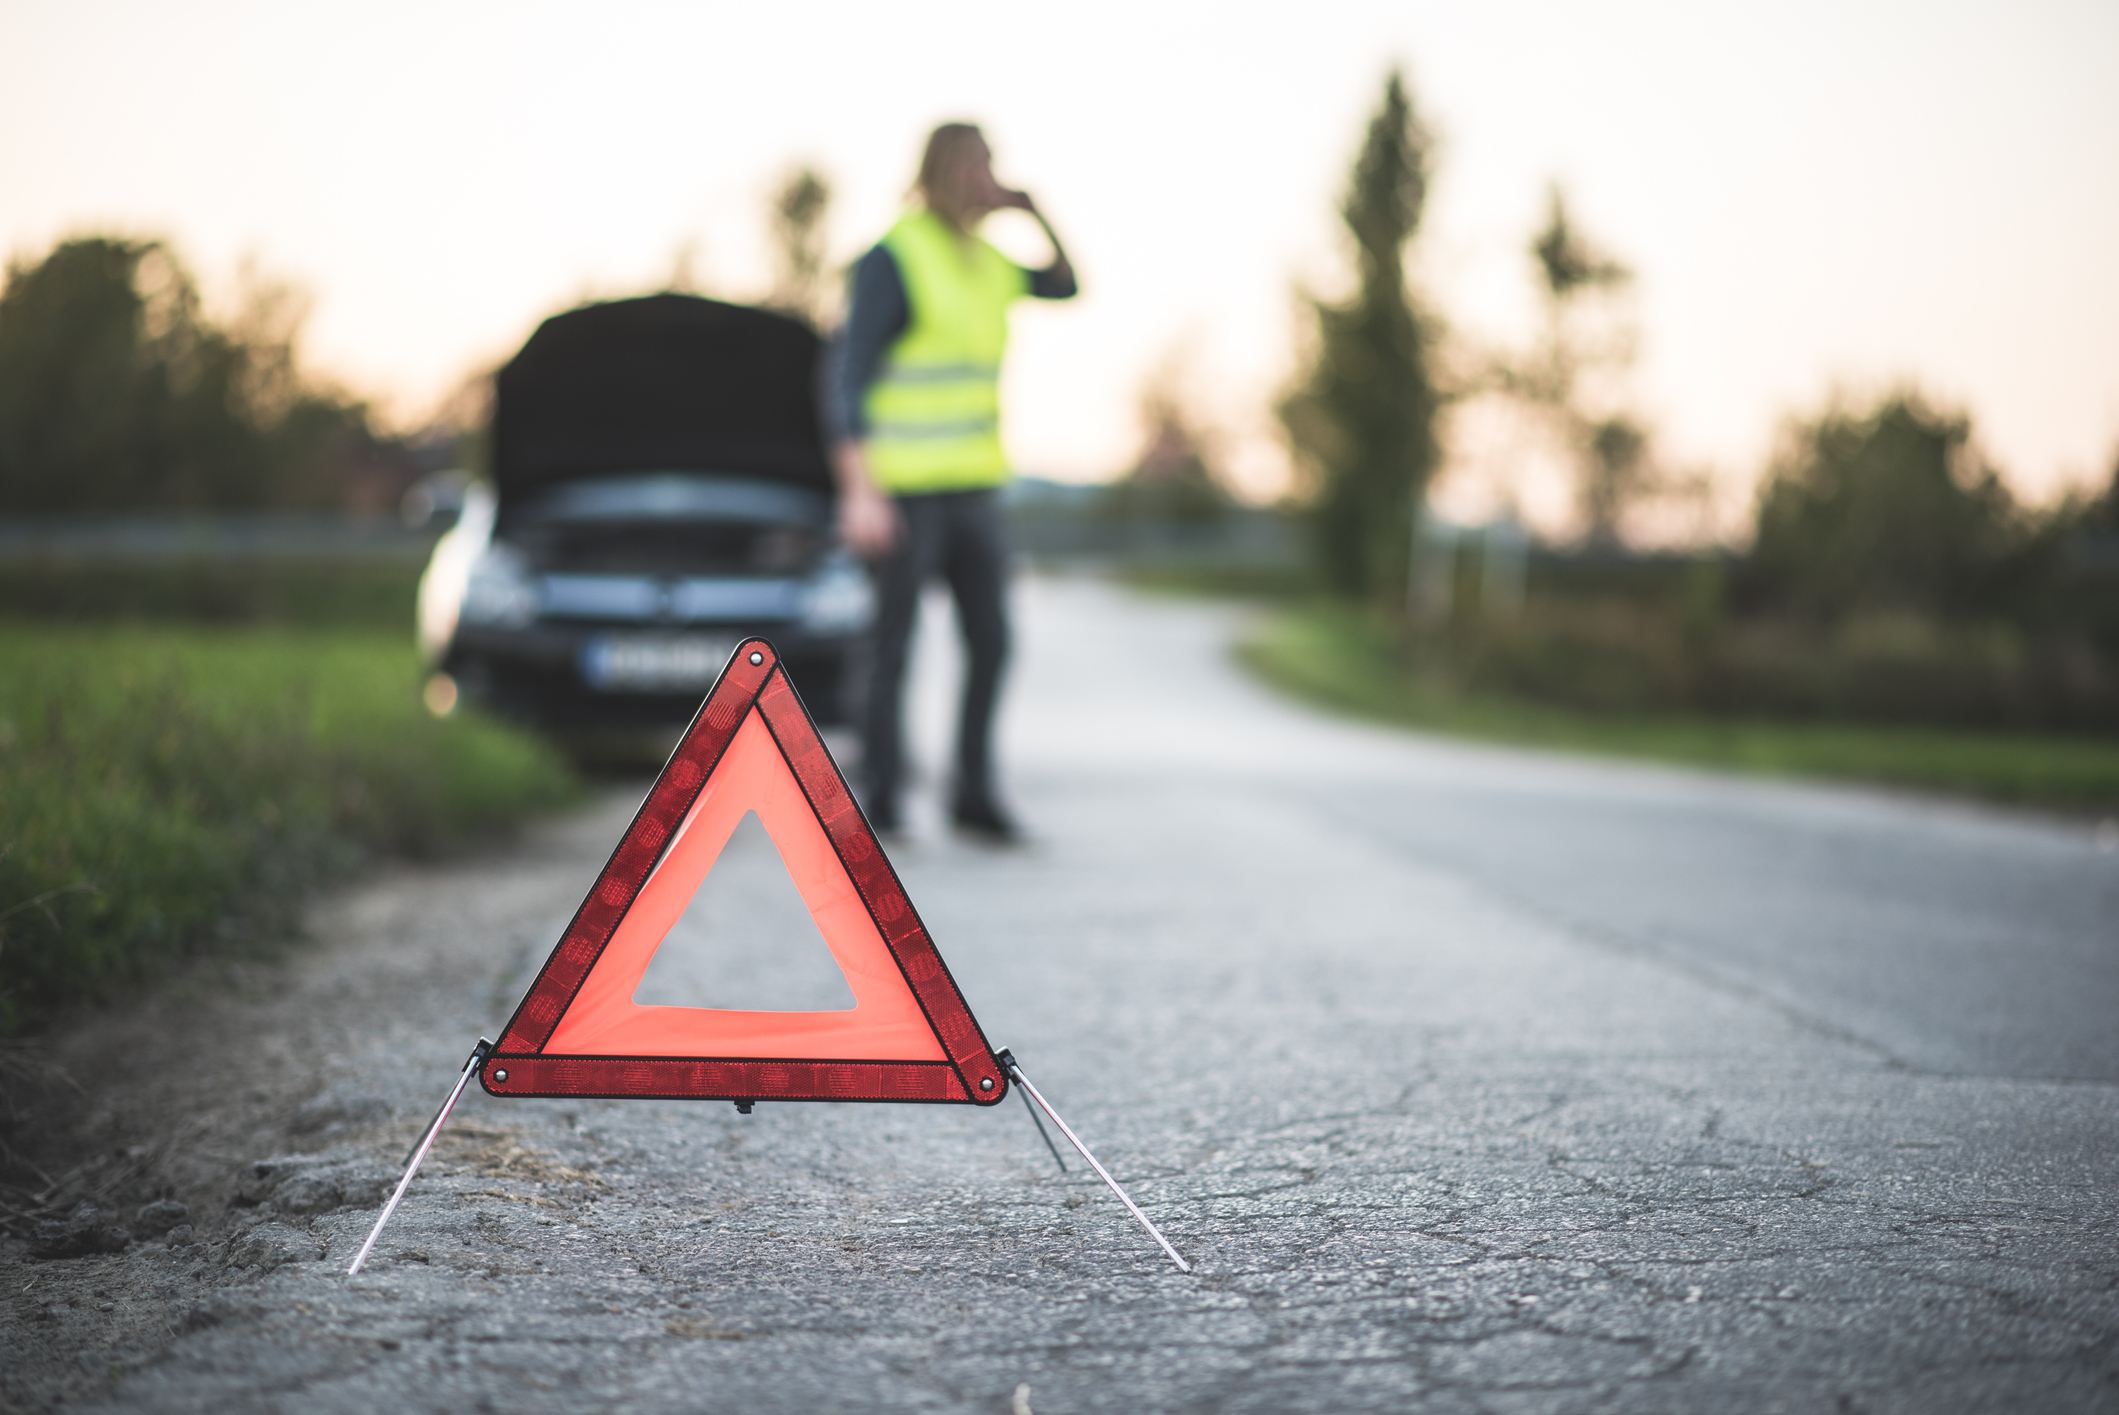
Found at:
<point>1346,660</point>
<point>170,789</point>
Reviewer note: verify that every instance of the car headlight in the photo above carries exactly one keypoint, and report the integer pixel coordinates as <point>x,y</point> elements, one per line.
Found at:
<point>500,590</point>
<point>839,600</point>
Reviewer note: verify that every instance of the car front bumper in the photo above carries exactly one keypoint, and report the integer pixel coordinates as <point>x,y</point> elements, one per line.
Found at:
<point>575,675</point>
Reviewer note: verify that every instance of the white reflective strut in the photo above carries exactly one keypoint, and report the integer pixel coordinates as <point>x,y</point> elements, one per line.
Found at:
<point>419,1152</point>
<point>1008,1060</point>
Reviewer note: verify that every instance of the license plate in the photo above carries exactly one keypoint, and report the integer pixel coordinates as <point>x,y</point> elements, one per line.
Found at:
<point>654,663</point>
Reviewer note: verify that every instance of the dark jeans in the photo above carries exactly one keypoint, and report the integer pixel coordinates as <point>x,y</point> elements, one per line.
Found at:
<point>957,536</point>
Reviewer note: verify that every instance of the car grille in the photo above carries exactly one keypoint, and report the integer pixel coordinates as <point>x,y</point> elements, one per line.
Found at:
<point>693,600</point>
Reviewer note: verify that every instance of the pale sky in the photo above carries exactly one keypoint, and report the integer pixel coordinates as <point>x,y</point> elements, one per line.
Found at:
<point>1815,196</point>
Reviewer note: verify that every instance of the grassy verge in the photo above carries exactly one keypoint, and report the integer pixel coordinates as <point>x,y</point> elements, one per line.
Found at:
<point>169,789</point>
<point>1345,660</point>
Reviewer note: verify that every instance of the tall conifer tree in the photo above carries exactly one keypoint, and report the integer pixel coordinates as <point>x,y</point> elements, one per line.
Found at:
<point>799,210</point>
<point>1361,419</point>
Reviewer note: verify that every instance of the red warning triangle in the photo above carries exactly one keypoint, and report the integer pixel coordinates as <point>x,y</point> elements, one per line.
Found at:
<point>908,1037</point>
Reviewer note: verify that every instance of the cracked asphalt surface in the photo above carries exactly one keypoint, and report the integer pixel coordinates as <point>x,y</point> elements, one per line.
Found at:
<point>1471,1080</point>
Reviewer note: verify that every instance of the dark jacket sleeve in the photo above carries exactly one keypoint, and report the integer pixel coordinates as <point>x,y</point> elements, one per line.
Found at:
<point>876,315</point>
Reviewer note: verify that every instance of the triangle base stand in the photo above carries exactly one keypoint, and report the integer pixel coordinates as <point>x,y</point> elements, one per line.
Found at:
<point>1015,1072</point>
<point>418,1155</point>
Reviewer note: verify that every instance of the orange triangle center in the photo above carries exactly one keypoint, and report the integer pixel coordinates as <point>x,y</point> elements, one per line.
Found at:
<point>885,1021</point>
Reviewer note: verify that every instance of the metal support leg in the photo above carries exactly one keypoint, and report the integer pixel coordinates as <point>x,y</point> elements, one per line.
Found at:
<point>419,1151</point>
<point>1014,1070</point>
<point>1038,1121</point>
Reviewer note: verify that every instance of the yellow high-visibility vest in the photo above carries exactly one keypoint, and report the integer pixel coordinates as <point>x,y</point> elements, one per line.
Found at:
<point>934,412</point>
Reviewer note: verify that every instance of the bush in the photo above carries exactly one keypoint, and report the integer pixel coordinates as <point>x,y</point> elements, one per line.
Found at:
<point>1359,663</point>
<point>119,393</point>
<point>1888,512</point>
<point>164,791</point>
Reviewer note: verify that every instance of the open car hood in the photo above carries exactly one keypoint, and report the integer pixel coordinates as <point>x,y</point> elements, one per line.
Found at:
<point>665,383</point>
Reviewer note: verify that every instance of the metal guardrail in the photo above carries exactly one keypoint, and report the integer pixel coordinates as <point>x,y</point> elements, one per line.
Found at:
<point>147,540</point>
<point>227,537</point>
<point>1245,539</point>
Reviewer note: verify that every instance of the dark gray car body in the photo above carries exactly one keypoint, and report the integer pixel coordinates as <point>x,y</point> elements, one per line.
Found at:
<point>659,490</point>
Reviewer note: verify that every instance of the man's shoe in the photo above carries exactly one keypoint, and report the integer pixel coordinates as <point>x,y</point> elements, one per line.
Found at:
<point>984,821</point>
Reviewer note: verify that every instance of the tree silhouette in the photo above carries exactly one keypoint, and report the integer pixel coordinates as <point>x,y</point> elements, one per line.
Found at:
<point>118,394</point>
<point>1174,477</point>
<point>1361,418</point>
<point>1885,511</point>
<point>1610,451</point>
<point>1569,262</point>
<point>798,213</point>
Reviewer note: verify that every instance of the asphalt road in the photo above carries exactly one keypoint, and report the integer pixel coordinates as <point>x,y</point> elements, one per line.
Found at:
<point>1471,1080</point>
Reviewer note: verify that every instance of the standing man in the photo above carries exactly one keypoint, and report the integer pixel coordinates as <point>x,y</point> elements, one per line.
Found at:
<point>914,400</point>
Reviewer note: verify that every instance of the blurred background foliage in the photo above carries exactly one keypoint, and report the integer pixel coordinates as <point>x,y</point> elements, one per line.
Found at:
<point>1361,415</point>
<point>1887,575</point>
<point>1891,512</point>
<point>1891,577</point>
<point>120,393</point>
<point>802,275</point>
<point>1175,480</point>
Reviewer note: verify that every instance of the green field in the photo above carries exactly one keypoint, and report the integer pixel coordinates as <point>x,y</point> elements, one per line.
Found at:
<point>1346,660</point>
<point>169,789</point>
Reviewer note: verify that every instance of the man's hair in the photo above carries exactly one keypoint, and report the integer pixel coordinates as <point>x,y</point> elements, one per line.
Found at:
<point>939,166</point>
